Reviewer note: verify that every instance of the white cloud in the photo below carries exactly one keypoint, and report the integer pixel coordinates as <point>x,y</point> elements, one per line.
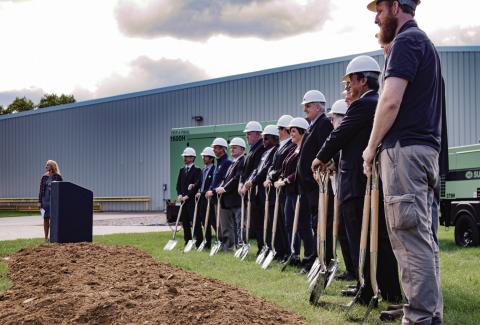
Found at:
<point>457,35</point>
<point>201,19</point>
<point>33,93</point>
<point>144,73</point>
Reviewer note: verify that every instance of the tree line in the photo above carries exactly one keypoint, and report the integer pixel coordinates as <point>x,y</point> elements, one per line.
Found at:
<point>22,104</point>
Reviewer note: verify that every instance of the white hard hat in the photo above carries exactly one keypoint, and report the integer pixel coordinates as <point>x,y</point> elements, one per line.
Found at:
<point>238,142</point>
<point>299,122</point>
<point>313,96</point>
<point>208,151</point>
<point>339,107</point>
<point>220,142</point>
<point>270,130</point>
<point>189,152</point>
<point>253,126</point>
<point>362,63</point>
<point>284,120</point>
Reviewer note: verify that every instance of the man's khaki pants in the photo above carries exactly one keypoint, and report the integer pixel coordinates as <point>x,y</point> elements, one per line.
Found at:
<point>409,176</point>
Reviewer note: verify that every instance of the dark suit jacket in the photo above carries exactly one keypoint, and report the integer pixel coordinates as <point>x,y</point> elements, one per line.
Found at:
<point>183,180</point>
<point>276,167</point>
<point>259,176</point>
<point>208,181</point>
<point>231,198</point>
<point>351,137</point>
<point>252,160</point>
<point>312,141</point>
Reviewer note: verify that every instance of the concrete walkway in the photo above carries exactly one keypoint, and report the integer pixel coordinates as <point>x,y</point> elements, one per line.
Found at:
<point>103,224</point>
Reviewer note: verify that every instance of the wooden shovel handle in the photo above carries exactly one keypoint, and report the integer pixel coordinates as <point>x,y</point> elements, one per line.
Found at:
<point>365,217</point>
<point>336,218</point>
<point>275,216</point>
<point>295,221</point>
<point>249,214</point>
<point>266,214</point>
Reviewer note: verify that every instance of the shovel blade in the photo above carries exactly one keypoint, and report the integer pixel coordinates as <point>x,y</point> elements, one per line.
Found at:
<point>189,246</point>
<point>318,288</point>
<point>170,245</point>
<point>262,254</point>
<point>289,259</point>
<point>244,254</point>
<point>239,251</point>
<point>215,248</point>
<point>314,269</point>
<point>202,246</point>
<point>332,271</point>
<point>373,304</point>
<point>268,259</point>
<point>354,300</point>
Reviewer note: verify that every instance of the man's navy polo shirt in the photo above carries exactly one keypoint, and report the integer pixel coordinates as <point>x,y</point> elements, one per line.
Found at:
<point>413,58</point>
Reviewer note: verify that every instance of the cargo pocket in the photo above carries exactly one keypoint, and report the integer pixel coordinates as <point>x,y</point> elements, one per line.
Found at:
<point>401,211</point>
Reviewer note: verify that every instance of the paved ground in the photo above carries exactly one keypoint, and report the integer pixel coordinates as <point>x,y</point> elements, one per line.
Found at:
<point>103,224</point>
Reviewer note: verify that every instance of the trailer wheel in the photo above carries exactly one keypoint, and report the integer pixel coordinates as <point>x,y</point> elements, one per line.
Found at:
<point>466,231</point>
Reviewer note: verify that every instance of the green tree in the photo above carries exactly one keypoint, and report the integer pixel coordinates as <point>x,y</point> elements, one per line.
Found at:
<point>20,105</point>
<point>53,99</point>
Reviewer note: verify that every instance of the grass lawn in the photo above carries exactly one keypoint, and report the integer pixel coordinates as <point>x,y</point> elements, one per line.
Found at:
<point>459,271</point>
<point>4,214</point>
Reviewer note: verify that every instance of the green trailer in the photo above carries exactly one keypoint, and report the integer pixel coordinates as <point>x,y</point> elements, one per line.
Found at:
<point>198,138</point>
<point>460,194</point>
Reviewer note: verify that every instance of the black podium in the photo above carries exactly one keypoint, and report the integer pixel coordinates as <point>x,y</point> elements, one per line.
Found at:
<point>71,214</point>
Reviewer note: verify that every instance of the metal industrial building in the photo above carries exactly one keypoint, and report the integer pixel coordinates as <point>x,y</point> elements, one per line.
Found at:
<point>119,146</point>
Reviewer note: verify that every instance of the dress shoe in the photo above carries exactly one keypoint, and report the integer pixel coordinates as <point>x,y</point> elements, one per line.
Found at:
<point>346,276</point>
<point>391,315</point>
<point>349,292</point>
<point>395,307</point>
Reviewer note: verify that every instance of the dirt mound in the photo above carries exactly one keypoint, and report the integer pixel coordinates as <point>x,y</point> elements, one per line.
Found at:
<point>94,283</point>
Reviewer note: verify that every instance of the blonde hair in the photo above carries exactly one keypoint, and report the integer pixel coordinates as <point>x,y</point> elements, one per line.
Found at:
<point>53,164</point>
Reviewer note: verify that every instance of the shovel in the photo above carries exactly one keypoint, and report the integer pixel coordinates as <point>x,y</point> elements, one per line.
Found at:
<point>207,216</point>
<point>192,241</point>
<point>374,242</point>
<point>318,284</point>
<point>264,251</point>
<point>334,263</point>
<point>312,273</point>
<point>218,244</point>
<point>173,242</point>
<point>246,246</point>
<point>273,252</point>
<point>363,244</point>
<point>238,252</point>
<point>294,233</point>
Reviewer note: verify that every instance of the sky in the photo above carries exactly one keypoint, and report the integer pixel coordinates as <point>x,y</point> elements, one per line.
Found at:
<point>94,49</point>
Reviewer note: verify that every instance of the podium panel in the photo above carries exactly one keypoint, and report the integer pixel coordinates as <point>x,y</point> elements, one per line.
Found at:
<point>71,216</point>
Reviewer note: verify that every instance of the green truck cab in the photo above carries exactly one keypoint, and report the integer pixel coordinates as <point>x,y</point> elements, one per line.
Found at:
<point>460,194</point>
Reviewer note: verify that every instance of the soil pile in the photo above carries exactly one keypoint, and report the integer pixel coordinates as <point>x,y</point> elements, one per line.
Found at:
<point>97,284</point>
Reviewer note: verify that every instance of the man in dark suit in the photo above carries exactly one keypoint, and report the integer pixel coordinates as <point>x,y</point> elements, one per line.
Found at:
<point>253,133</point>
<point>256,179</point>
<point>208,157</point>
<point>284,148</point>
<point>230,211</point>
<point>219,146</point>
<point>187,184</point>
<point>351,137</point>
<point>318,131</point>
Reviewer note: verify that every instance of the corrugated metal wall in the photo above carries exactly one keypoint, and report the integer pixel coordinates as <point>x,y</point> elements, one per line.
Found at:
<point>119,146</point>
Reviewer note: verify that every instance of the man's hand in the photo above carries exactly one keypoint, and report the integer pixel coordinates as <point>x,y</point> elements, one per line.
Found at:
<point>220,190</point>
<point>267,183</point>
<point>208,194</point>
<point>184,198</point>
<point>248,185</point>
<point>190,187</point>
<point>280,183</point>
<point>197,196</point>
<point>320,165</point>
<point>179,198</point>
<point>368,155</point>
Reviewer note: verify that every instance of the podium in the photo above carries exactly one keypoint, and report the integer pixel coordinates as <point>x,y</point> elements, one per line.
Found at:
<point>71,213</point>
